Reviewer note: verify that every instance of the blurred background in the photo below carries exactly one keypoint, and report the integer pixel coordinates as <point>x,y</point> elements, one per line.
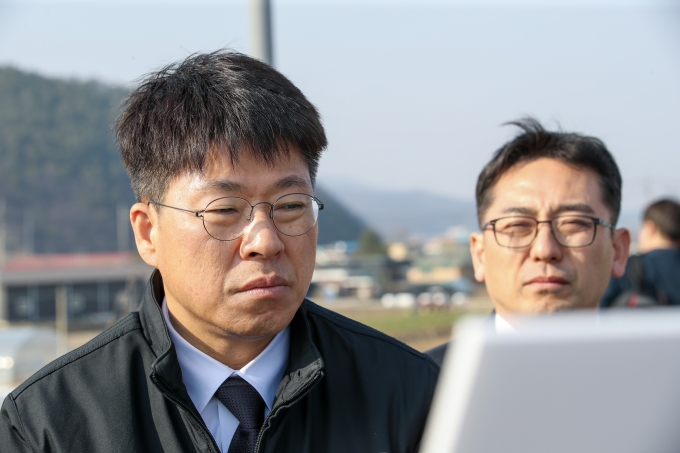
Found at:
<point>413,94</point>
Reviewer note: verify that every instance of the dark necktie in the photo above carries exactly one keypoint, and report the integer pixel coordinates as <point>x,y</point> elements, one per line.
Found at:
<point>246,404</point>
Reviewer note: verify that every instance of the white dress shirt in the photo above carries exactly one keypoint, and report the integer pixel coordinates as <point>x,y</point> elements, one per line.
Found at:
<point>503,326</point>
<point>202,375</point>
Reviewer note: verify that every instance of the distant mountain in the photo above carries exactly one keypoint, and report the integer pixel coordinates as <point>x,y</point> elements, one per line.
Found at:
<point>61,178</point>
<point>60,174</point>
<point>336,222</point>
<point>398,214</point>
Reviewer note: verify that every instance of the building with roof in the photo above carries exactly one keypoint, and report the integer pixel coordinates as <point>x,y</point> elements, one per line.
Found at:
<point>99,286</point>
<point>444,260</point>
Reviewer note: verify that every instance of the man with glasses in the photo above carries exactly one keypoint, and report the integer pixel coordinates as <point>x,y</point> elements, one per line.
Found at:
<point>225,354</point>
<point>547,204</point>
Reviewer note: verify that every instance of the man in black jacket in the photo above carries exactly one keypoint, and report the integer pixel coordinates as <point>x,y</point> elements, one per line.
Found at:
<point>547,205</point>
<point>655,273</point>
<point>225,354</point>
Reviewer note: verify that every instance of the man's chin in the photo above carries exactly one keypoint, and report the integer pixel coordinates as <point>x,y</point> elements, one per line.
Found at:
<point>259,318</point>
<point>548,304</point>
<point>248,329</point>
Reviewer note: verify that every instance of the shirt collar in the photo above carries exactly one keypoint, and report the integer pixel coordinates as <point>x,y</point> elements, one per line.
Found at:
<point>503,326</point>
<point>202,375</point>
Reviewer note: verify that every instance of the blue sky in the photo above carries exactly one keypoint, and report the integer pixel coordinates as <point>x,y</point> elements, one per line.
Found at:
<point>412,93</point>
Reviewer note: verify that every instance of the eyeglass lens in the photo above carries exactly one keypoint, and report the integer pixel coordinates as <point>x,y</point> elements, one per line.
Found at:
<point>569,231</point>
<point>293,215</point>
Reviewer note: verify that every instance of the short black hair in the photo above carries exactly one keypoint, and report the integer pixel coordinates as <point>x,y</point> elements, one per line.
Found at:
<point>534,142</point>
<point>665,214</point>
<point>221,100</point>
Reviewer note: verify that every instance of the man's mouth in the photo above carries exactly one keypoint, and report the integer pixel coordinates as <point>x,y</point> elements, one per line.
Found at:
<point>547,282</point>
<point>265,287</point>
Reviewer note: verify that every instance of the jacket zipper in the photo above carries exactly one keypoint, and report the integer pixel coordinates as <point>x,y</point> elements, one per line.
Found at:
<point>186,409</point>
<point>301,392</point>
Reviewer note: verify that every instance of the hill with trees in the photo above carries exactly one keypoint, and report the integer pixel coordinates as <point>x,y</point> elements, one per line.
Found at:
<point>61,179</point>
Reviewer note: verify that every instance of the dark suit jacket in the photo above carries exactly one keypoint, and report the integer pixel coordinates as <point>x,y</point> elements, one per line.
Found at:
<point>437,354</point>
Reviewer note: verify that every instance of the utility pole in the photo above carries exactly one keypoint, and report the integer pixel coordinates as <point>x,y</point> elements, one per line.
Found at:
<point>29,230</point>
<point>261,31</point>
<point>61,320</point>
<point>4,311</point>
<point>3,232</point>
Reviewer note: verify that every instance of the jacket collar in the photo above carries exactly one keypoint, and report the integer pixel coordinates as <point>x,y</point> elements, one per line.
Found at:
<point>304,360</point>
<point>151,316</point>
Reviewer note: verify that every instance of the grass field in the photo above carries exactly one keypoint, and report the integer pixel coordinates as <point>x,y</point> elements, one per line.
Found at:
<point>421,331</point>
<point>405,323</point>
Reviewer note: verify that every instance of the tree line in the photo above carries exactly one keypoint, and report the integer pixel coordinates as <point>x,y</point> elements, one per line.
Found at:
<point>62,183</point>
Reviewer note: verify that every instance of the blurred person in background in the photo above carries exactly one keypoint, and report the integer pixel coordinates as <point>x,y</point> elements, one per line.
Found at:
<point>547,205</point>
<point>653,276</point>
<point>225,354</point>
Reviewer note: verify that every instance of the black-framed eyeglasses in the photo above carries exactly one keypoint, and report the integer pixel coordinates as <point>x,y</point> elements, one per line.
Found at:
<point>517,232</point>
<point>226,218</point>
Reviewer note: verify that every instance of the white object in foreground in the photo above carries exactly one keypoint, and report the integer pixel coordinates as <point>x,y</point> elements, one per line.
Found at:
<point>568,383</point>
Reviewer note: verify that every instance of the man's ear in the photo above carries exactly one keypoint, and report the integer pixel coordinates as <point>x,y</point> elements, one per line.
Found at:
<point>621,244</point>
<point>477,252</point>
<point>144,219</point>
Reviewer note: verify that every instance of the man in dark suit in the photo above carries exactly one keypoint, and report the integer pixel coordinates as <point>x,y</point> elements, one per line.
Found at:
<point>547,205</point>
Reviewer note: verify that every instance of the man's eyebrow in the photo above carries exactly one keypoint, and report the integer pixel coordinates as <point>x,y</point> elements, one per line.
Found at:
<point>519,210</point>
<point>577,207</point>
<point>223,185</point>
<point>292,181</point>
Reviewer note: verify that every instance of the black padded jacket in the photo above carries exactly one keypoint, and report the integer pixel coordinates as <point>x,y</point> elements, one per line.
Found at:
<point>347,388</point>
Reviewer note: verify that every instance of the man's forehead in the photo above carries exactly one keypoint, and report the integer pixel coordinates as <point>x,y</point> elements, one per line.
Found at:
<point>535,210</point>
<point>546,186</point>
<point>246,169</point>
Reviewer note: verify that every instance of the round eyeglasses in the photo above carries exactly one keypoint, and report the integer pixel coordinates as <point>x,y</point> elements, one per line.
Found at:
<point>517,232</point>
<point>227,218</point>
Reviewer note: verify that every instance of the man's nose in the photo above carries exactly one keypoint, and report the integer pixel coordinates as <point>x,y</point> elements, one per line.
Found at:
<point>545,246</point>
<point>261,237</point>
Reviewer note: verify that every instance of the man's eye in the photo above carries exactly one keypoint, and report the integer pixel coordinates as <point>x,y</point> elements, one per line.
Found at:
<point>575,224</point>
<point>224,210</point>
<point>290,206</point>
<point>519,225</point>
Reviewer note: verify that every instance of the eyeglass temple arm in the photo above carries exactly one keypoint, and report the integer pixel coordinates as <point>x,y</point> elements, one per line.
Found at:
<point>604,223</point>
<point>196,213</point>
